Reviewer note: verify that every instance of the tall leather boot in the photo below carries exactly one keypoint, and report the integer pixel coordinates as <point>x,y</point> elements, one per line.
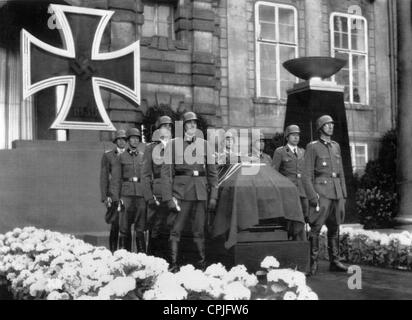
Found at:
<point>314,254</point>
<point>334,259</point>
<point>113,238</point>
<point>140,242</point>
<point>201,264</point>
<point>173,255</point>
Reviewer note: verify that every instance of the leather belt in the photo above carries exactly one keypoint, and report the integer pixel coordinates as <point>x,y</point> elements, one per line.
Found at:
<point>332,175</point>
<point>132,179</point>
<point>190,173</point>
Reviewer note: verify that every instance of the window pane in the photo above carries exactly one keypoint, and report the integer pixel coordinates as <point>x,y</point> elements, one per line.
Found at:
<point>267,14</point>
<point>268,31</point>
<point>267,70</point>
<point>286,78</point>
<point>359,78</point>
<point>163,13</point>
<point>148,28</point>
<point>340,25</point>
<point>286,33</point>
<point>360,150</point>
<point>268,88</point>
<point>358,35</point>
<point>163,29</point>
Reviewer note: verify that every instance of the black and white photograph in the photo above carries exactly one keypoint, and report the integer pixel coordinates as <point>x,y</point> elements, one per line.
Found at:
<point>214,151</point>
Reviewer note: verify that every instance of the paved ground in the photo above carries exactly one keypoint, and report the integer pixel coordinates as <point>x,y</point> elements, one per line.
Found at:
<point>377,284</point>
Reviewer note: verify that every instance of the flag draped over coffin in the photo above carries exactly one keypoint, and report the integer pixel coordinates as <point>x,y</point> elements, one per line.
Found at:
<point>245,199</point>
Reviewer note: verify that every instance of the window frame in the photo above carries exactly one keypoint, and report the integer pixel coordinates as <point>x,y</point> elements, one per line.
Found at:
<point>276,43</point>
<point>351,52</point>
<point>353,146</point>
<point>156,5</point>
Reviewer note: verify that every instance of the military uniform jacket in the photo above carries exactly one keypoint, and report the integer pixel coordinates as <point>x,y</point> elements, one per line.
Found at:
<point>201,177</point>
<point>109,159</point>
<point>324,170</point>
<point>291,166</point>
<point>151,170</point>
<point>126,174</point>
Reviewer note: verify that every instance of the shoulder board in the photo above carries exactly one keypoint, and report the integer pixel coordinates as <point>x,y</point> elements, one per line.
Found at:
<point>333,142</point>
<point>108,151</point>
<point>280,148</point>
<point>314,142</point>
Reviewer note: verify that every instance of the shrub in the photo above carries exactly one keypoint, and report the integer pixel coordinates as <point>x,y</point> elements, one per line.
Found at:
<point>376,197</point>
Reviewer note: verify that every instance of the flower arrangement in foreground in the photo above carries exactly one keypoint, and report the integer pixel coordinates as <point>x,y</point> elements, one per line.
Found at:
<point>41,264</point>
<point>373,248</point>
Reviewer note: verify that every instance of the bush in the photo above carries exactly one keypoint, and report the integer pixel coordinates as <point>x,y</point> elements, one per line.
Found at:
<point>376,197</point>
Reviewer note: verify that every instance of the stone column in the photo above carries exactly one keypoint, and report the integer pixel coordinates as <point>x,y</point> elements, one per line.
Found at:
<point>313,27</point>
<point>204,64</point>
<point>404,170</point>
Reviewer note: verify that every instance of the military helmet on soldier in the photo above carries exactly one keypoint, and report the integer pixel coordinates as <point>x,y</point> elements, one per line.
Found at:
<point>164,120</point>
<point>120,134</point>
<point>189,116</point>
<point>322,121</point>
<point>133,132</point>
<point>293,128</point>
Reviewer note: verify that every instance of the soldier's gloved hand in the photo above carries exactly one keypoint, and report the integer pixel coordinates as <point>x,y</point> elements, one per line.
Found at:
<point>212,205</point>
<point>306,219</point>
<point>313,202</point>
<point>172,206</point>
<point>108,202</point>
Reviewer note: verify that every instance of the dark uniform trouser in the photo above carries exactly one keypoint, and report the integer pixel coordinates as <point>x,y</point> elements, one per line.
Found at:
<point>296,230</point>
<point>197,212</point>
<point>156,217</point>
<point>134,212</point>
<point>331,213</point>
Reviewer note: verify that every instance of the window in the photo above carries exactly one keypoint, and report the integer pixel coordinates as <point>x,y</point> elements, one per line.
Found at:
<point>359,154</point>
<point>349,42</point>
<point>276,42</point>
<point>158,20</point>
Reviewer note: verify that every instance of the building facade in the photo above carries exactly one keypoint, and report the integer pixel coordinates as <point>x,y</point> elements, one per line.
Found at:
<point>220,58</point>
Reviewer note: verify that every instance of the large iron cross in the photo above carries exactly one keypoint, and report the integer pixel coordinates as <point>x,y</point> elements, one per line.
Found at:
<point>81,68</point>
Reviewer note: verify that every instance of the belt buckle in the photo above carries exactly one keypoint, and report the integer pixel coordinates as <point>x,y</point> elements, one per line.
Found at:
<point>334,175</point>
<point>195,173</point>
<point>135,179</point>
<point>299,175</point>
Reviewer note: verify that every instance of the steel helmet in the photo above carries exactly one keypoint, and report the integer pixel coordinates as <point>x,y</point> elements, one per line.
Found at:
<point>293,128</point>
<point>133,132</point>
<point>188,116</point>
<point>322,121</point>
<point>120,134</point>
<point>164,120</point>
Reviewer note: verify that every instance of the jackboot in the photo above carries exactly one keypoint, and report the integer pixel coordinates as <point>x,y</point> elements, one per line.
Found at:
<point>334,259</point>
<point>153,247</point>
<point>314,254</point>
<point>113,238</point>
<point>201,264</point>
<point>140,242</point>
<point>173,256</point>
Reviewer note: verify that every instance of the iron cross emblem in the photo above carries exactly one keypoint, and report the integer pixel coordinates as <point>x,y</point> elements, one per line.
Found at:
<point>81,68</point>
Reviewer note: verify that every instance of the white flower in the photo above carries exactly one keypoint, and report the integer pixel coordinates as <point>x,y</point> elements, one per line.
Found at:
<point>269,262</point>
<point>289,295</point>
<point>290,277</point>
<point>236,291</point>
<point>55,295</point>
<point>216,270</point>
<point>121,286</point>
<point>54,284</point>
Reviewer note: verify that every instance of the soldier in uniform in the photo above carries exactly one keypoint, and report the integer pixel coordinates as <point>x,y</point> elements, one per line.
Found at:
<point>109,158</point>
<point>185,183</point>
<point>157,210</point>
<point>127,187</point>
<point>289,161</point>
<point>258,145</point>
<point>326,190</point>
